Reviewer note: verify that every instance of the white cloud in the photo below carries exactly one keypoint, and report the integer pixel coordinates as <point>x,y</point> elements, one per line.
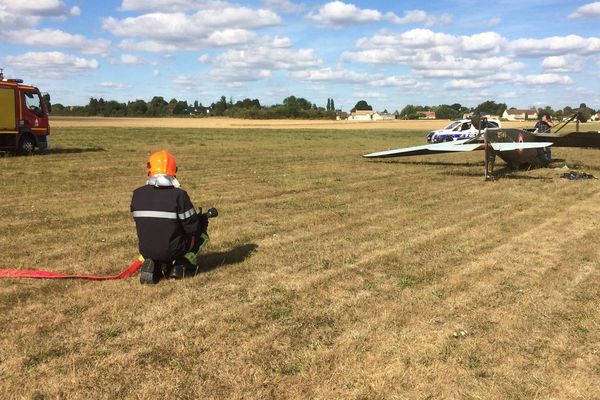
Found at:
<point>440,43</point>
<point>179,25</point>
<point>39,8</point>
<point>370,95</point>
<point>409,17</point>
<point>216,39</point>
<point>267,57</point>
<point>259,61</point>
<point>172,5</point>
<point>186,81</point>
<point>56,38</point>
<point>55,64</point>
<point>419,16</point>
<point>548,79</point>
<point>459,84</point>
<point>460,68</point>
<point>399,82</point>
<point>337,75</point>
<point>232,77</point>
<point>235,76</point>
<point>156,73</point>
<point>22,14</point>
<point>555,46</point>
<point>436,55</point>
<point>10,19</point>
<point>337,14</point>
<point>562,63</point>
<point>159,32</point>
<point>129,59</point>
<point>285,6</point>
<point>113,85</point>
<point>509,95</point>
<point>591,10</point>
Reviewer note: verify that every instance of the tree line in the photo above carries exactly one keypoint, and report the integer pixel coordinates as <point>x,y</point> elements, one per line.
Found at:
<point>456,111</point>
<point>291,107</point>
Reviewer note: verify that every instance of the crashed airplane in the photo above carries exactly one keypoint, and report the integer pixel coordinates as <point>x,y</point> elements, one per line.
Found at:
<point>517,147</point>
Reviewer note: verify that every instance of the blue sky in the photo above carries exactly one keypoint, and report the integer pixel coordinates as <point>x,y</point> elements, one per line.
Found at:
<point>523,53</point>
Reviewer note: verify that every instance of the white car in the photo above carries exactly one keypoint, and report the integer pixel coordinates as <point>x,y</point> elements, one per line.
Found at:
<point>459,129</point>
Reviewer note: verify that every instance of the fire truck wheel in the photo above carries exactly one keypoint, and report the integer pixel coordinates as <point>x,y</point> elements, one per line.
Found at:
<point>26,145</point>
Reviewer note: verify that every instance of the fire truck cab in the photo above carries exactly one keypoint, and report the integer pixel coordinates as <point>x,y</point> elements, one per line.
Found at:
<point>23,117</point>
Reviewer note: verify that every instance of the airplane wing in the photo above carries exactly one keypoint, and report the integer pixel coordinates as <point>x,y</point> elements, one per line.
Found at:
<point>510,146</point>
<point>589,139</point>
<point>456,146</point>
<point>436,148</point>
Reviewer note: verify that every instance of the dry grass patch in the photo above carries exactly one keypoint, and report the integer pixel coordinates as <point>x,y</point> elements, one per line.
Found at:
<point>328,276</point>
<point>236,123</point>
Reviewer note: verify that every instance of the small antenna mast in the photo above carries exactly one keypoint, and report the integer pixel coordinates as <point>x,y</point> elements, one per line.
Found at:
<point>1,74</point>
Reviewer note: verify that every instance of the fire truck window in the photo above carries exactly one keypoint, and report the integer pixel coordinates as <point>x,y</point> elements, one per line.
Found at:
<point>32,100</point>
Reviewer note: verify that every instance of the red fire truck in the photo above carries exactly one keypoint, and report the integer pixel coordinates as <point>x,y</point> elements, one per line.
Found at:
<point>23,117</point>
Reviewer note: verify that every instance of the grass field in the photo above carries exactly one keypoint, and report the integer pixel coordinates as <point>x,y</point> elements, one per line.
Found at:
<point>235,123</point>
<point>328,276</point>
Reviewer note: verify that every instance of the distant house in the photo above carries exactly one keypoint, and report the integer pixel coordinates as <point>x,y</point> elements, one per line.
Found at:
<point>515,114</point>
<point>595,117</point>
<point>383,116</point>
<point>361,115</point>
<point>426,114</point>
<point>339,115</point>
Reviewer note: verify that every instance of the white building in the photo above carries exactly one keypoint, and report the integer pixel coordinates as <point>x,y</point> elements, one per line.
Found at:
<point>361,115</point>
<point>514,114</point>
<point>381,116</point>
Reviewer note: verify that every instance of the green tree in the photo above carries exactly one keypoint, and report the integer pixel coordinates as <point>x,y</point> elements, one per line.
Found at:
<point>584,113</point>
<point>362,105</point>
<point>409,112</point>
<point>180,108</point>
<point>218,108</point>
<point>93,107</point>
<point>447,112</point>
<point>136,108</point>
<point>157,107</point>
<point>491,107</point>
<point>113,108</point>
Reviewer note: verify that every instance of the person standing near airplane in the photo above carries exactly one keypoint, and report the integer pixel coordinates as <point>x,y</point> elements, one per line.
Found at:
<point>542,126</point>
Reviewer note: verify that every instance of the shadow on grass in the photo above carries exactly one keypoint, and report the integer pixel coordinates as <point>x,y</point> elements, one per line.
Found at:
<point>437,163</point>
<point>236,255</point>
<point>501,173</point>
<point>71,150</point>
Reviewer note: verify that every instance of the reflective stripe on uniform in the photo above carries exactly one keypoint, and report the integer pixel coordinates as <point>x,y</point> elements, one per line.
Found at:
<point>187,214</point>
<point>154,214</point>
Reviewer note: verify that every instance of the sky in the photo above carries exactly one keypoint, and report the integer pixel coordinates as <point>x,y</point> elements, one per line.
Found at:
<point>389,53</point>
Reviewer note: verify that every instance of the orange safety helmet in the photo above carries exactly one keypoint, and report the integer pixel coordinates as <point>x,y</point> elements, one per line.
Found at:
<point>161,163</point>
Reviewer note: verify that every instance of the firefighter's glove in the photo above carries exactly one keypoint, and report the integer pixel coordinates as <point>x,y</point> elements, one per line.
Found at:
<point>203,223</point>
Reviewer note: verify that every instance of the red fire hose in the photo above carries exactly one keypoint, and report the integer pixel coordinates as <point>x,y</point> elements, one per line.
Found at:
<point>33,273</point>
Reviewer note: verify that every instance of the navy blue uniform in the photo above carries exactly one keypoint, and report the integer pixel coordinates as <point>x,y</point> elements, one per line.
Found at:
<point>167,223</point>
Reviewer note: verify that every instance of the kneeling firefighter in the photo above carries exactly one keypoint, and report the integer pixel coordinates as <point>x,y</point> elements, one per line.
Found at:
<point>171,233</point>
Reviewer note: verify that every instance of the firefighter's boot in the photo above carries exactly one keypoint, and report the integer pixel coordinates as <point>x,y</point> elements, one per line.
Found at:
<point>188,264</point>
<point>150,272</point>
